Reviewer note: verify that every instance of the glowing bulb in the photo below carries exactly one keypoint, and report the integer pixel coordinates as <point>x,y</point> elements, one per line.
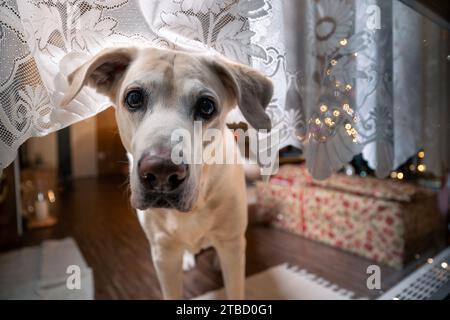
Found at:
<point>430,260</point>
<point>421,154</point>
<point>421,168</point>
<point>348,87</point>
<point>343,42</point>
<point>317,121</point>
<point>444,265</point>
<point>338,83</point>
<point>323,108</point>
<point>51,196</point>
<point>329,122</point>
<point>333,62</point>
<point>328,72</point>
<point>348,126</point>
<point>393,174</point>
<point>400,175</point>
<point>336,113</point>
<point>355,54</point>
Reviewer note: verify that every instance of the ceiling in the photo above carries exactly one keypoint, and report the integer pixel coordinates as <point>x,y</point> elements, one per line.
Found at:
<point>436,10</point>
<point>440,7</point>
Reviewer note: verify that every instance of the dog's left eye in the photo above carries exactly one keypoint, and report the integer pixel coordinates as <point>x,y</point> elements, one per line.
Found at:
<point>134,99</point>
<point>205,108</point>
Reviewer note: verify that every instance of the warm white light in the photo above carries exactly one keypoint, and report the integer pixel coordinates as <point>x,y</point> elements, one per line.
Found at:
<point>393,174</point>
<point>430,260</point>
<point>343,42</point>
<point>348,87</point>
<point>323,108</point>
<point>421,167</point>
<point>317,121</point>
<point>421,154</point>
<point>51,196</point>
<point>333,62</point>
<point>347,108</point>
<point>329,122</point>
<point>400,175</point>
<point>444,265</point>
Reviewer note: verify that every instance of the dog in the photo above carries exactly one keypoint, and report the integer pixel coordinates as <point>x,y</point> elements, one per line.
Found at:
<point>186,207</point>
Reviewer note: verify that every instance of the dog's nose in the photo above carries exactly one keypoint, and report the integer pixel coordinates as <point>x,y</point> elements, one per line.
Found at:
<point>161,174</point>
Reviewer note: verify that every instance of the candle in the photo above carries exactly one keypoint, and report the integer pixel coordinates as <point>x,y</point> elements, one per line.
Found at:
<point>41,207</point>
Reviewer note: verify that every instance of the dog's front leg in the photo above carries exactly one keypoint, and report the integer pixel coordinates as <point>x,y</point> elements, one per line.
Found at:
<point>168,264</point>
<point>232,260</point>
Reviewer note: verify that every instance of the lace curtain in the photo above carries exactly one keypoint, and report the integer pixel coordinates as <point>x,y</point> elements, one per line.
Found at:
<point>350,76</point>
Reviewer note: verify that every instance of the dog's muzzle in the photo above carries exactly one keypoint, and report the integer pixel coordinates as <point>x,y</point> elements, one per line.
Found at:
<point>162,183</point>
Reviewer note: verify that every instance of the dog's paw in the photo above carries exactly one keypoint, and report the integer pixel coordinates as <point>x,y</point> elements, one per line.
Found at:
<point>188,261</point>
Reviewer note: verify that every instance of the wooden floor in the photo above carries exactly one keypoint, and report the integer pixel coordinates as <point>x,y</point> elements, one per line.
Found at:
<point>97,214</point>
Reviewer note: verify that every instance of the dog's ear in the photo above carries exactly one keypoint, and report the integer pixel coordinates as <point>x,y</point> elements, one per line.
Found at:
<point>103,72</point>
<point>252,90</point>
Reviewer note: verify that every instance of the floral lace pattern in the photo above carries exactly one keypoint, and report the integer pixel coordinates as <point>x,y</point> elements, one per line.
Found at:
<point>336,93</point>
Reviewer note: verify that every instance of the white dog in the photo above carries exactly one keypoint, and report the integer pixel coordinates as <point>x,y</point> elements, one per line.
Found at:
<point>186,206</point>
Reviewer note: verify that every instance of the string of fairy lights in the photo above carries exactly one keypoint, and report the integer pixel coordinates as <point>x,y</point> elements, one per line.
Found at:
<point>417,166</point>
<point>334,114</point>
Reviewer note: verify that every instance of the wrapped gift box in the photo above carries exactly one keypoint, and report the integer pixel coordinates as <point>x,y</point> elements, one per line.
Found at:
<point>383,220</point>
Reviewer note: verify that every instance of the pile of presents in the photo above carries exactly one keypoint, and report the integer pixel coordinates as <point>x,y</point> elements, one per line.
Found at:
<point>383,220</point>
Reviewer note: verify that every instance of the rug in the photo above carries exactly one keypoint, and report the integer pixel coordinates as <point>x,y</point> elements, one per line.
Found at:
<point>40,272</point>
<point>284,282</point>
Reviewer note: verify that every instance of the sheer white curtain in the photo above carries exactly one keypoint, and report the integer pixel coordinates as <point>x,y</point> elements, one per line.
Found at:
<point>350,76</point>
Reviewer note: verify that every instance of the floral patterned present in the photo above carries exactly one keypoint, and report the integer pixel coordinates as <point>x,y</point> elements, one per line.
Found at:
<point>369,217</point>
<point>379,188</point>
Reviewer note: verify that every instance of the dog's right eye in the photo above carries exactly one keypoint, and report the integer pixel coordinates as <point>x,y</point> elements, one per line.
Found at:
<point>134,99</point>
<point>205,108</point>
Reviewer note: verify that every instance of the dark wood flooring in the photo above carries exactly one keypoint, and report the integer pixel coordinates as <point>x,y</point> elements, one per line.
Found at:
<point>97,214</point>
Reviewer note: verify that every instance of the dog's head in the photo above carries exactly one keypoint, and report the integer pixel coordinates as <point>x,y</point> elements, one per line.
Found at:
<point>157,91</point>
